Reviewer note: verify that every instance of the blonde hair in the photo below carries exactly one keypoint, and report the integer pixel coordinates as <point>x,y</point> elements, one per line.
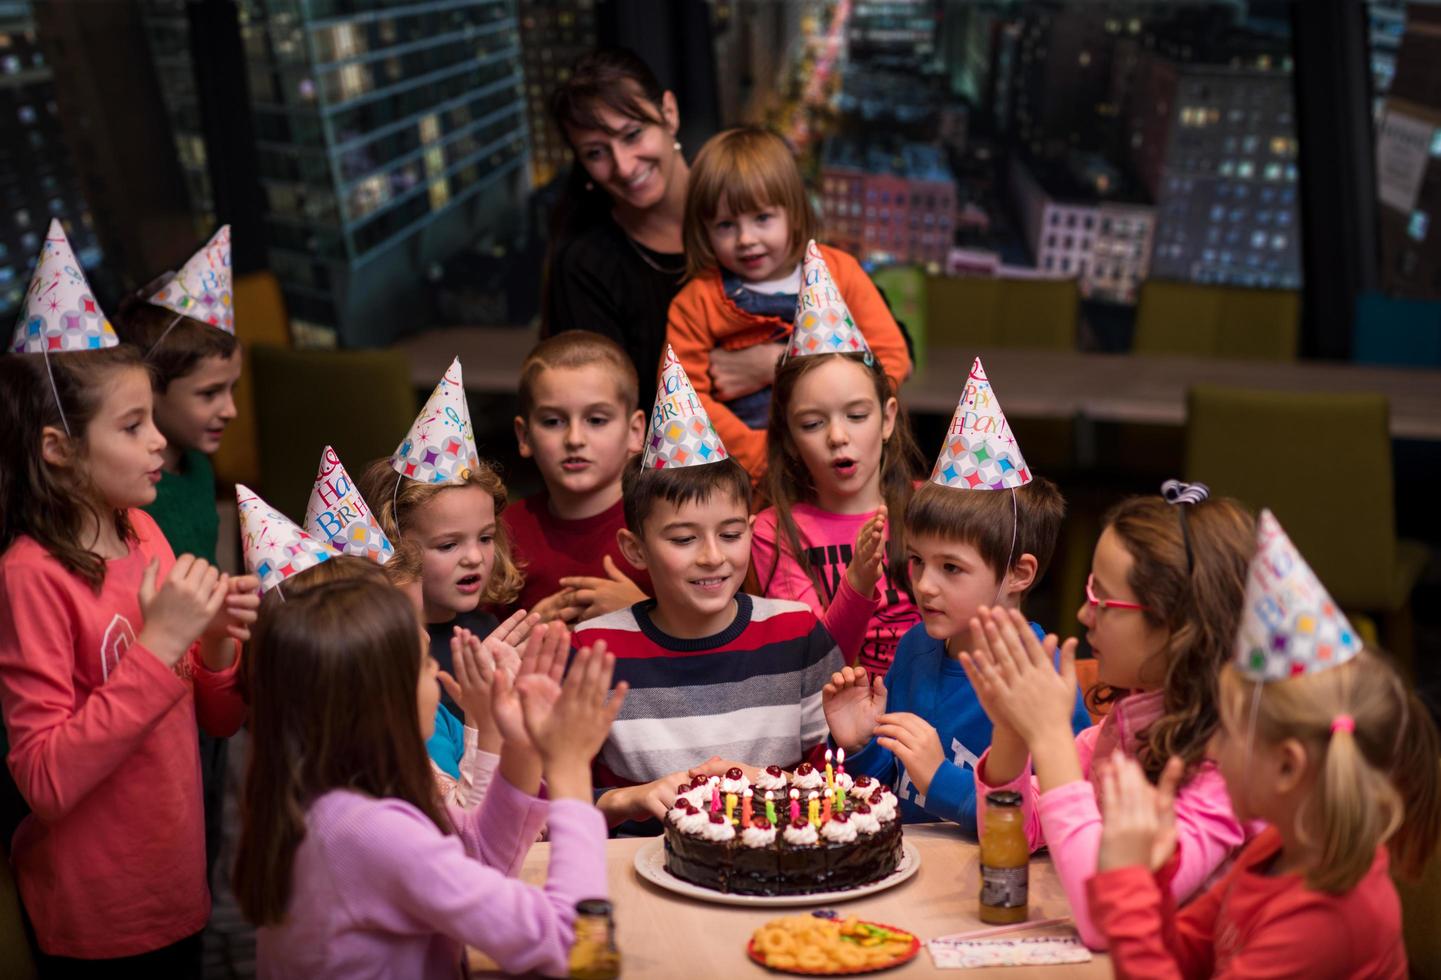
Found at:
<point>1379,784</point>
<point>406,565</point>
<point>394,504</point>
<point>575,349</point>
<point>743,170</point>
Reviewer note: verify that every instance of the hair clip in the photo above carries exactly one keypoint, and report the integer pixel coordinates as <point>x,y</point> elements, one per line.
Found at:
<point>1179,493</point>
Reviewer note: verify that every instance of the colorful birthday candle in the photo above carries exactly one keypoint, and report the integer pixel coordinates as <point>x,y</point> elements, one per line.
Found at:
<point>730,807</point>
<point>746,807</point>
<point>840,762</point>
<point>813,808</point>
<point>825,807</point>
<point>830,772</point>
<point>715,802</point>
<point>771,807</point>
<point>840,798</point>
<point>795,807</point>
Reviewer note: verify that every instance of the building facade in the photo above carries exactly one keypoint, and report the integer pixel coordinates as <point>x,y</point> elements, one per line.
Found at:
<point>553,34</point>
<point>389,137</point>
<point>890,205</point>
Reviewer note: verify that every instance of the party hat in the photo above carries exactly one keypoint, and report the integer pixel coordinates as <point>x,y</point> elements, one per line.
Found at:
<point>680,433</point>
<point>338,514</point>
<point>60,312</point>
<point>980,452</point>
<point>1289,624</point>
<point>440,447</point>
<point>201,289</point>
<point>275,549</point>
<point>823,321</point>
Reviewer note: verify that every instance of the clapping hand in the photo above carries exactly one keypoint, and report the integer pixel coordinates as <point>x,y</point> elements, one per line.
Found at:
<point>868,557</point>
<point>1015,677</point>
<point>1139,820</point>
<point>852,703</point>
<point>592,595</point>
<point>181,609</point>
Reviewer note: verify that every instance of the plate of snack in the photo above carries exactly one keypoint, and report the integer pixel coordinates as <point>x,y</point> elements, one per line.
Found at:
<point>787,839</point>
<point>822,945</point>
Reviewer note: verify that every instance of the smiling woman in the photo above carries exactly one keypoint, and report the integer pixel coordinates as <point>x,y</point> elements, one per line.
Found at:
<point>616,258</point>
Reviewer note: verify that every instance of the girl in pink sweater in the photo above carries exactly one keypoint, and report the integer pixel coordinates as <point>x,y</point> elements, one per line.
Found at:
<point>841,459</point>
<point>348,862</point>
<point>1162,604</point>
<point>110,651</point>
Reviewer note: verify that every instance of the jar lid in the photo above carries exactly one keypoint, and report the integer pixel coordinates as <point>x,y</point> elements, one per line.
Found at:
<point>1003,797</point>
<point>595,906</point>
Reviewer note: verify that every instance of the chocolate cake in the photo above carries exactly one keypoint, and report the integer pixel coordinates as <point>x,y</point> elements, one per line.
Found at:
<point>852,844</point>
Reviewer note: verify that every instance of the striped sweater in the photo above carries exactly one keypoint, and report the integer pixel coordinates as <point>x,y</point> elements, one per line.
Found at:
<point>751,692</point>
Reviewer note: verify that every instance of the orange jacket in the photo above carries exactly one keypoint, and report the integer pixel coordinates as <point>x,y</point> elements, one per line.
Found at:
<point>703,318</point>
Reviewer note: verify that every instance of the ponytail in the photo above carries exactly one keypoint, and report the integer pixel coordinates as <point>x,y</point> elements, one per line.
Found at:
<point>1354,802</point>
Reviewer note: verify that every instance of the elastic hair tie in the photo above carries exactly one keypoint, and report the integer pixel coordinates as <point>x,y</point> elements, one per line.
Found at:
<point>1343,723</point>
<point>1178,495</point>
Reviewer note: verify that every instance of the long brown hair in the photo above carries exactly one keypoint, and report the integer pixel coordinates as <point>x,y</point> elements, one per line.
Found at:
<point>1380,783</point>
<point>317,657</point>
<point>788,482</point>
<point>394,506</point>
<point>50,504</point>
<point>742,170</point>
<point>1197,601</point>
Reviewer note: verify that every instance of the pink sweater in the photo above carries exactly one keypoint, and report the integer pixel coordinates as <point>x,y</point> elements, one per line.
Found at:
<point>867,628</point>
<point>378,891</point>
<point>1068,821</point>
<point>111,860</point>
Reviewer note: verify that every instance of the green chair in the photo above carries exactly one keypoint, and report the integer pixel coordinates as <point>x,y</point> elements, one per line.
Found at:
<point>1217,321</point>
<point>359,401</point>
<point>1322,463</point>
<point>905,289</point>
<point>972,312</point>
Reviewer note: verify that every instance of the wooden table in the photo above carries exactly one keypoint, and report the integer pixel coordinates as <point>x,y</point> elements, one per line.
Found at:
<point>1033,383</point>
<point>665,935</point>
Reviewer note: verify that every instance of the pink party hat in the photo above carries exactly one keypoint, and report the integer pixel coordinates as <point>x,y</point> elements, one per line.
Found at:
<point>275,549</point>
<point>201,289</point>
<point>680,433</point>
<point>823,321</point>
<point>980,452</point>
<point>60,312</point>
<point>339,515</point>
<point>1289,624</point>
<point>440,447</point>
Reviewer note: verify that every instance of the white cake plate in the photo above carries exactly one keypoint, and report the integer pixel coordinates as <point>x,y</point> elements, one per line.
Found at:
<point>650,865</point>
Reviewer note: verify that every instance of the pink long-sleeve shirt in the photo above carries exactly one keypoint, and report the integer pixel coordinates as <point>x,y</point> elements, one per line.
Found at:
<point>866,628</point>
<point>111,860</point>
<point>1067,819</point>
<point>378,891</point>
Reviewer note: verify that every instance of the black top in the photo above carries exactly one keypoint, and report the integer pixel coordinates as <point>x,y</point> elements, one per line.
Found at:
<point>600,282</point>
<point>479,622</point>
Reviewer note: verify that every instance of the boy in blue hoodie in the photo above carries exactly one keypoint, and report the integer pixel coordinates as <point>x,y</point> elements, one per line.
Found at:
<point>922,731</point>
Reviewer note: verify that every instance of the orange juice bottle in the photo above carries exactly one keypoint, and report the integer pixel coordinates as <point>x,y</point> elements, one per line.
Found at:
<point>1005,860</point>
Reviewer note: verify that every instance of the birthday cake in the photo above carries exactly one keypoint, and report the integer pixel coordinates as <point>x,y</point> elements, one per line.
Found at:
<point>785,834</point>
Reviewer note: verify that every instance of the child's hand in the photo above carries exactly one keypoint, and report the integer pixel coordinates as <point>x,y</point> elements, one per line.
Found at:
<point>719,766</point>
<point>1139,820</point>
<point>868,557</point>
<point>915,743</point>
<point>470,686</point>
<point>513,631</point>
<point>560,605</point>
<point>544,656</point>
<point>177,612</point>
<point>852,703</point>
<point>1015,677</point>
<point>734,373</point>
<point>594,596</point>
<point>569,730</point>
<point>239,612</point>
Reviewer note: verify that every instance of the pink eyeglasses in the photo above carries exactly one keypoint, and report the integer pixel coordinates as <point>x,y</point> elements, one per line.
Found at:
<point>1108,603</point>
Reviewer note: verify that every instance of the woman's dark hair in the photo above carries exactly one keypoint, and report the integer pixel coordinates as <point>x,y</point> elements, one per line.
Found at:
<point>172,343</point>
<point>316,656</point>
<point>54,505</point>
<point>613,78</point>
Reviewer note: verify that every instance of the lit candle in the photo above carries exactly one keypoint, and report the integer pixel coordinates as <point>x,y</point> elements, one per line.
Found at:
<point>830,773</point>
<point>825,807</point>
<point>746,807</point>
<point>813,809</point>
<point>730,806</point>
<point>795,807</point>
<point>714,795</point>
<point>840,799</point>
<point>840,761</point>
<point>771,807</point>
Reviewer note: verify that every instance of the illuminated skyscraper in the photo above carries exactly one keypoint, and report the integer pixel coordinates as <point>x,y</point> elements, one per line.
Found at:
<point>553,34</point>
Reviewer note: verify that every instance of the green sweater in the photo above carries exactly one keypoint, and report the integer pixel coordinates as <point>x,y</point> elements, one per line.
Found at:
<point>184,507</point>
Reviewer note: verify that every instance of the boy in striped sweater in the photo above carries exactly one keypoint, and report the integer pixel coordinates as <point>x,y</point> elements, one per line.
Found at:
<point>713,672</point>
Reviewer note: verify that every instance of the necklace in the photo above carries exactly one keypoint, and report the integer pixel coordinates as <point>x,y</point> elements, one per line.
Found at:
<point>639,250</point>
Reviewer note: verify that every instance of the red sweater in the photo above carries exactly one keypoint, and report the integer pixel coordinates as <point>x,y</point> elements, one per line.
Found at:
<point>551,548</point>
<point>1251,923</point>
<point>102,746</point>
